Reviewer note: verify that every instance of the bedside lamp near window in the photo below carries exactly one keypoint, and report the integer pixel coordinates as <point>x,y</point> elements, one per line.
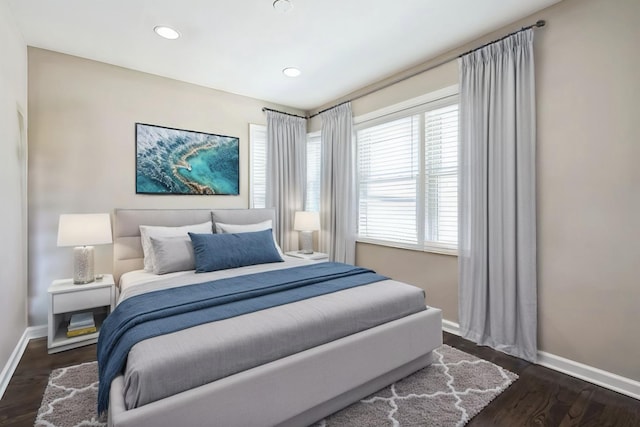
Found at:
<point>82,231</point>
<point>306,223</point>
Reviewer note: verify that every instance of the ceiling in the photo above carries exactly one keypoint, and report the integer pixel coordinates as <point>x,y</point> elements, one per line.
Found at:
<point>242,46</point>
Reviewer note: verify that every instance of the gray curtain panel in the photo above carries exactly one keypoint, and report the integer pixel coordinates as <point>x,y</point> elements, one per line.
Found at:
<point>337,185</point>
<point>286,173</point>
<point>497,229</point>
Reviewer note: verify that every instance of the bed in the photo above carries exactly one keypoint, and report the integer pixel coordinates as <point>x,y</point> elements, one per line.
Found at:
<point>303,378</point>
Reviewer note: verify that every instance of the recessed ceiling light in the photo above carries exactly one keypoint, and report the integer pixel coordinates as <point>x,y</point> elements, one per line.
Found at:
<point>166,32</point>
<point>282,6</point>
<point>291,72</point>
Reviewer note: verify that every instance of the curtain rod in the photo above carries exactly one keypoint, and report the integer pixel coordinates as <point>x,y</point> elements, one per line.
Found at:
<point>330,108</point>
<point>539,24</point>
<point>282,112</point>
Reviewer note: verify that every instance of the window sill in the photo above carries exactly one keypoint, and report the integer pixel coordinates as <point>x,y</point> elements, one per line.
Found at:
<point>410,247</point>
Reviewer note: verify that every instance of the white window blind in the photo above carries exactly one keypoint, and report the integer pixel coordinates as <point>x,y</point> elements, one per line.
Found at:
<point>388,161</point>
<point>257,165</point>
<point>312,198</point>
<point>407,178</point>
<point>441,176</point>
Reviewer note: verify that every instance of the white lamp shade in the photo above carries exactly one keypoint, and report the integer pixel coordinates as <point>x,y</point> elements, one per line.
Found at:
<point>306,221</point>
<point>84,230</point>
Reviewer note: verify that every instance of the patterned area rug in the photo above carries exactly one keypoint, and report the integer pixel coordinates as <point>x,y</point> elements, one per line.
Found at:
<point>71,397</point>
<point>449,392</point>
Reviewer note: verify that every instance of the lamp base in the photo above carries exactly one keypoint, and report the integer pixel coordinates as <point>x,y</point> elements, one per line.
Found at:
<point>83,265</point>
<point>306,238</point>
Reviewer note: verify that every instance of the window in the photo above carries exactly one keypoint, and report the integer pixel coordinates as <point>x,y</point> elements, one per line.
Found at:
<point>407,177</point>
<point>258,168</point>
<point>314,153</point>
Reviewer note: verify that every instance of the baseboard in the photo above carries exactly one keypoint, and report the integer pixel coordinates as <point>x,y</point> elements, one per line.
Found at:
<point>575,369</point>
<point>9,368</point>
<point>37,331</point>
<point>588,373</point>
<point>451,327</point>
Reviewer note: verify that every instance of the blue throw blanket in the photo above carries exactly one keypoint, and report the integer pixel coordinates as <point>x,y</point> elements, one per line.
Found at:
<point>170,310</point>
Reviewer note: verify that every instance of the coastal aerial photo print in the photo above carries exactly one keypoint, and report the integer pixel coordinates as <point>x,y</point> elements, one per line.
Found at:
<point>174,161</point>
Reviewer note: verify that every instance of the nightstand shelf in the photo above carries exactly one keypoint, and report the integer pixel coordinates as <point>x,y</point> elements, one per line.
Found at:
<point>60,339</point>
<point>65,299</point>
<point>316,256</point>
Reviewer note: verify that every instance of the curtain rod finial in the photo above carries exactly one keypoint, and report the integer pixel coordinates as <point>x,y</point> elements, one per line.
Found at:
<point>541,23</point>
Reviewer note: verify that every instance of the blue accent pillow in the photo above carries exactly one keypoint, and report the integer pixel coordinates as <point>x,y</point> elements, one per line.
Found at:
<point>222,251</point>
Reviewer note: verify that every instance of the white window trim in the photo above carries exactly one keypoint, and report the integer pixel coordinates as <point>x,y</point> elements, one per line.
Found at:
<point>401,109</point>
<point>432,248</point>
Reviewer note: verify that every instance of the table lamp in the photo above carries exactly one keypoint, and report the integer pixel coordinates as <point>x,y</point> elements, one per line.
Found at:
<point>306,223</point>
<point>83,231</point>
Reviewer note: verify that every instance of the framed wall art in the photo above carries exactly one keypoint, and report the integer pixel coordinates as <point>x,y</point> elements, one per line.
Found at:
<point>177,161</point>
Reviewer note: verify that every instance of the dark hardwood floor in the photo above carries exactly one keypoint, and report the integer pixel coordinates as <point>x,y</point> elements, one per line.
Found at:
<point>540,397</point>
<point>544,397</point>
<point>21,400</point>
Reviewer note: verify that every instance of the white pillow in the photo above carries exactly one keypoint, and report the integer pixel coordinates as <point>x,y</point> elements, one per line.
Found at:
<point>243,228</point>
<point>248,228</point>
<point>149,231</point>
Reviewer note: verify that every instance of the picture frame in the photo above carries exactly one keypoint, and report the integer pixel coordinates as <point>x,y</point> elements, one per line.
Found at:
<point>186,162</point>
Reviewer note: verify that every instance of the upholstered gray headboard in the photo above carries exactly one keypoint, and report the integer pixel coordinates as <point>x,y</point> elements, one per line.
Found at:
<point>127,248</point>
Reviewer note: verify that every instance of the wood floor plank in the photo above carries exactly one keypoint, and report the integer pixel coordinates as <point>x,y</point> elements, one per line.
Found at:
<point>540,397</point>
<point>576,413</point>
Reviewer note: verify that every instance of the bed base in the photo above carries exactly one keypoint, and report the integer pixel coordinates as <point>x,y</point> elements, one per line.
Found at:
<point>299,389</point>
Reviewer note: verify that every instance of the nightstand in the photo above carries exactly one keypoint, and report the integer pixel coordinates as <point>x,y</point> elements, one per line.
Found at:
<point>66,298</point>
<point>316,256</point>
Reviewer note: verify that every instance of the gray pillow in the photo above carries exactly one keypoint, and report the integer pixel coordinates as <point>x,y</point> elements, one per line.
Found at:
<point>148,231</point>
<point>172,254</point>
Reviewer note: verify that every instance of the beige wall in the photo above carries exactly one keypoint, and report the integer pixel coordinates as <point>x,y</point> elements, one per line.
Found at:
<point>437,273</point>
<point>13,167</point>
<point>588,195</point>
<point>588,92</point>
<point>82,149</point>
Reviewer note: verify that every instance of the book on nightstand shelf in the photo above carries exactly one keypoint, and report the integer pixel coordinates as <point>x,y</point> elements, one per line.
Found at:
<point>80,324</point>
<point>83,331</point>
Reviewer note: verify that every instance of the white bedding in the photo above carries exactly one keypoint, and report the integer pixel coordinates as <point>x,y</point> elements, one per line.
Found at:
<point>332,375</point>
<point>139,281</point>
<point>165,365</point>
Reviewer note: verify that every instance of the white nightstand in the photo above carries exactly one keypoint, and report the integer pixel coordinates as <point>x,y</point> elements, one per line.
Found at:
<point>65,298</point>
<point>316,256</point>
